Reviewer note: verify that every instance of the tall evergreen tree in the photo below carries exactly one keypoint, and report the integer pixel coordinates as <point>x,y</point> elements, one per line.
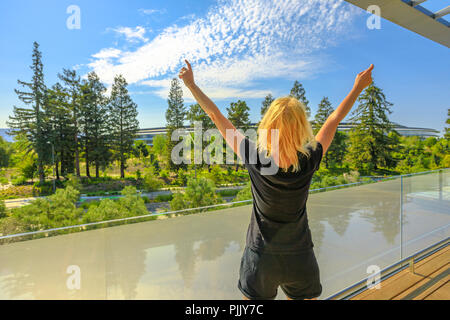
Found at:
<point>72,87</point>
<point>370,144</point>
<point>85,118</point>
<point>238,114</point>
<point>176,112</point>
<point>196,113</point>
<point>299,92</point>
<point>336,151</point>
<point>447,129</point>
<point>60,121</point>
<point>122,121</point>
<point>175,117</point>
<point>323,112</point>
<point>266,104</point>
<point>30,120</point>
<point>94,120</point>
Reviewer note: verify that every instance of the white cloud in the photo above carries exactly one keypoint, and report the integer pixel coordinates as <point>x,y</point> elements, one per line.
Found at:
<point>152,11</point>
<point>228,78</point>
<point>237,43</point>
<point>131,34</point>
<point>188,17</point>
<point>107,53</point>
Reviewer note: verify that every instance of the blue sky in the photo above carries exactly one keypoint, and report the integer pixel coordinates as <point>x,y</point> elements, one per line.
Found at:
<point>238,49</point>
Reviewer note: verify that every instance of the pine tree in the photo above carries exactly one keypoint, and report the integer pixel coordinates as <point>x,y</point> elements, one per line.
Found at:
<point>85,118</point>
<point>175,116</point>
<point>447,129</point>
<point>72,88</point>
<point>299,93</point>
<point>238,114</point>
<point>337,149</point>
<point>60,121</point>
<point>176,112</point>
<point>122,121</point>
<point>94,119</point>
<point>266,104</point>
<point>370,144</point>
<point>323,112</point>
<point>196,113</point>
<point>30,120</point>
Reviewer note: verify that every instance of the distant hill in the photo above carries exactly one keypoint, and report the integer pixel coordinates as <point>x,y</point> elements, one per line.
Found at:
<point>5,135</point>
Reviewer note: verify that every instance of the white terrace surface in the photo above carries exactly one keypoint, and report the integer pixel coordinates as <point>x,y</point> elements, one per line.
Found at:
<point>197,256</point>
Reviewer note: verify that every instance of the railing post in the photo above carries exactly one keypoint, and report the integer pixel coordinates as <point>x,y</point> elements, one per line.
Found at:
<point>440,184</point>
<point>401,218</point>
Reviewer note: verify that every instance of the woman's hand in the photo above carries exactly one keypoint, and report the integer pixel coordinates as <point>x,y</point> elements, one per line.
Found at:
<point>364,78</point>
<point>187,75</point>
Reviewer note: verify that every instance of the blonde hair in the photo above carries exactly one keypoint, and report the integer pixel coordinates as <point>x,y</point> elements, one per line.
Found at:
<point>288,115</point>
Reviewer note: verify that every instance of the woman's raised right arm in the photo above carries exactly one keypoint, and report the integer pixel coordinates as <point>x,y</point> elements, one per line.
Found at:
<point>326,133</point>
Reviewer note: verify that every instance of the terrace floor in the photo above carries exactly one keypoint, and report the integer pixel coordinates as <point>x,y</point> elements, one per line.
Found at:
<point>430,280</point>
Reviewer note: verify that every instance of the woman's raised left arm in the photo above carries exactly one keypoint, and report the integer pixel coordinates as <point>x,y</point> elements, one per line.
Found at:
<point>234,137</point>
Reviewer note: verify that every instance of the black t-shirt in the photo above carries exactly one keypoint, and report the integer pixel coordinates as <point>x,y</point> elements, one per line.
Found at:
<point>279,222</point>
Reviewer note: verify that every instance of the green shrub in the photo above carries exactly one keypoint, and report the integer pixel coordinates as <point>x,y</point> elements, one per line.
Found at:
<point>151,182</point>
<point>132,202</point>
<point>19,181</point>
<point>351,177</point>
<point>198,193</point>
<point>87,204</point>
<point>245,193</point>
<point>106,185</point>
<point>130,205</point>
<point>178,202</point>
<point>138,174</point>
<point>181,178</point>
<point>107,209</point>
<point>2,209</point>
<point>43,189</point>
<point>164,197</point>
<point>164,174</point>
<point>57,210</point>
<point>216,175</point>
<point>11,225</point>
<point>146,199</point>
<point>3,180</point>
<point>228,192</point>
<point>446,161</point>
<point>74,182</point>
<point>17,192</point>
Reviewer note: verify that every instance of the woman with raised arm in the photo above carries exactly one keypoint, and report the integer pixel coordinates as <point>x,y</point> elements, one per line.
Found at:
<point>279,248</point>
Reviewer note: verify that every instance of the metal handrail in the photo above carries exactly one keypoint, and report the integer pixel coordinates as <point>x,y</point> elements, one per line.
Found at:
<point>389,271</point>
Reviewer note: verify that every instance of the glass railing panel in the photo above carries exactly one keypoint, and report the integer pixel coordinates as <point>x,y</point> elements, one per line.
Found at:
<point>190,256</point>
<point>193,256</point>
<point>353,229</point>
<point>62,266</point>
<point>197,256</point>
<point>426,210</point>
